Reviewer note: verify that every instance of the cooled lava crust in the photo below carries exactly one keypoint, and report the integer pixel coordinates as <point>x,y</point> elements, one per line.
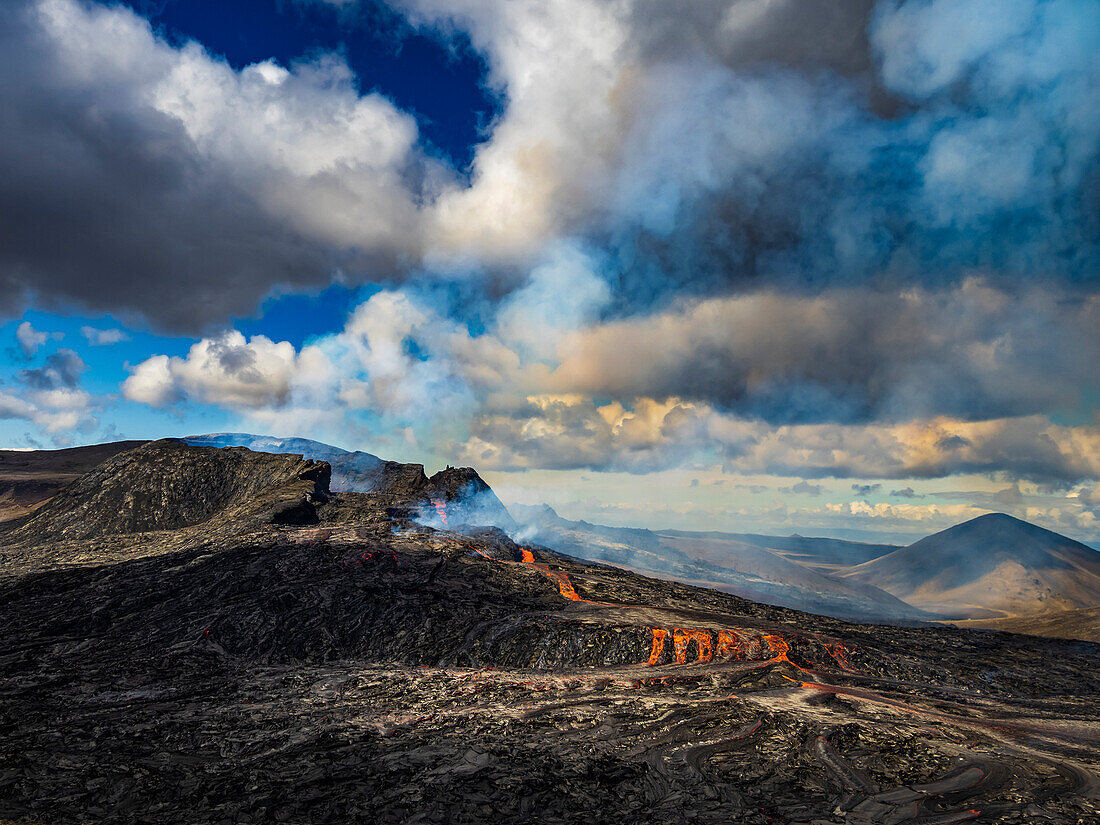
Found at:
<point>192,635</point>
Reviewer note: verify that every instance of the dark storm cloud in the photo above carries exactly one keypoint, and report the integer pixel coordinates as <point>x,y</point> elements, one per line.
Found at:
<point>746,171</point>
<point>865,489</point>
<point>111,208</point>
<point>108,202</point>
<point>738,143</point>
<point>852,355</point>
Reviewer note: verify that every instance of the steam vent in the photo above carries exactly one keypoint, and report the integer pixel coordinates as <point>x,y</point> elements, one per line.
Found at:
<point>206,635</point>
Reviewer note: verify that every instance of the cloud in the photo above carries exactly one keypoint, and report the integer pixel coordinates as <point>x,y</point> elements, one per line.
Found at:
<point>905,492</point>
<point>30,339</point>
<point>104,337</point>
<point>12,406</point>
<point>864,490</point>
<point>804,488</point>
<point>703,150</point>
<point>53,399</point>
<point>62,370</point>
<point>971,351</point>
<point>402,364</point>
<point>146,179</point>
<point>229,370</point>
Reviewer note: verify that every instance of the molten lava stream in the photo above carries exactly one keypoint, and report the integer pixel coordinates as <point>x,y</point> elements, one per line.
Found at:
<point>780,648</point>
<point>562,580</point>
<point>658,645</point>
<point>729,645</point>
<point>441,510</point>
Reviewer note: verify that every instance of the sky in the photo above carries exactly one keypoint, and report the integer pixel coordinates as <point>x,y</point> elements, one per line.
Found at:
<point>756,265</point>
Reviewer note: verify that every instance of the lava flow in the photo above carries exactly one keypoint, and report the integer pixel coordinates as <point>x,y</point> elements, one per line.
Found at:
<point>564,583</point>
<point>658,645</point>
<point>441,509</point>
<point>732,645</point>
<point>682,638</point>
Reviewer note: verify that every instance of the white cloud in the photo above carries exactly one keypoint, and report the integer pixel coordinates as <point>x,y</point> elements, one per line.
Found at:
<point>58,412</point>
<point>538,389</point>
<point>308,146</point>
<point>104,337</point>
<point>30,339</point>
<point>230,371</point>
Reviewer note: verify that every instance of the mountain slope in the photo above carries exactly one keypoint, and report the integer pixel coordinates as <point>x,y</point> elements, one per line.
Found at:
<point>165,485</point>
<point>1082,623</point>
<point>30,478</point>
<point>740,568</point>
<point>821,554</point>
<point>994,565</point>
<point>351,471</point>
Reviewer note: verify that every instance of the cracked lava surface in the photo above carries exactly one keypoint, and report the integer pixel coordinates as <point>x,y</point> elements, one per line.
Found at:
<point>368,670</point>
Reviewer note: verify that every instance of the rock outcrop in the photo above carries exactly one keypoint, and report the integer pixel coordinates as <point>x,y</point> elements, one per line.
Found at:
<point>166,485</point>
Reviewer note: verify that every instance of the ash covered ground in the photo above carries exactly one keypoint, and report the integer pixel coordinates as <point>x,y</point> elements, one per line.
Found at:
<point>211,636</point>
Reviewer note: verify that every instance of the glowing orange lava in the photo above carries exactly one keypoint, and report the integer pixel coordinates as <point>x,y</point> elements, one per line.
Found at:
<point>562,580</point>
<point>682,638</point>
<point>441,509</point>
<point>840,653</point>
<point>779,647</point>
<point>731,645</point>
<point>658,645</point>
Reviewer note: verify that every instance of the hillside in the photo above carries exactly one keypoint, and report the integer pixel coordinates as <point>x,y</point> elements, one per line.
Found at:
<point>715,560</point>
<point>823,554</point>
<point>1082,623</point>
<point>990,567</point>
<point>30,478</point>
<point>164,485</point>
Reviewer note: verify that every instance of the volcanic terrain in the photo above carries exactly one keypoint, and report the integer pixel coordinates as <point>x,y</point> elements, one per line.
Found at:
<point>30,478</point>
<point>192,634</point>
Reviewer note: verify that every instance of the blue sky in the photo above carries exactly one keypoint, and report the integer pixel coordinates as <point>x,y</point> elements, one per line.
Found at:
<point>768,266</point>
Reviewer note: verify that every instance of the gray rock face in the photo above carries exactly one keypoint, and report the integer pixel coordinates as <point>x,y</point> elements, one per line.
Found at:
<point>167,486</point>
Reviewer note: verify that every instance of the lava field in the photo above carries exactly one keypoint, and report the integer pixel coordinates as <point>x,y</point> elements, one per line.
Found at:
<point>191,635</point>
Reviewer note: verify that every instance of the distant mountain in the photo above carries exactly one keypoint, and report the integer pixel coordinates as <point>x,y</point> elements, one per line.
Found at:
<point>822,554</point>
<point>714,560</point>
<point>992,566</point>
<point>351,471</point>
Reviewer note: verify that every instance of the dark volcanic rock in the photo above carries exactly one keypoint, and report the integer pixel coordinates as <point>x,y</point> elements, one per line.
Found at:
<point>166,486</point>
<point>466,499</point>
<point>369,669</point>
